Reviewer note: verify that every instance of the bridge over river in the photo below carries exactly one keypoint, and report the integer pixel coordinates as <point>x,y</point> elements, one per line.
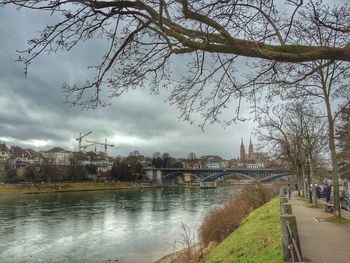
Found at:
<point>208,175</point>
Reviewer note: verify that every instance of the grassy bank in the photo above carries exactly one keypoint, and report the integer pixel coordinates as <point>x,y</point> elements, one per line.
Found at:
<point>65,187</point>
<point>258,239</point>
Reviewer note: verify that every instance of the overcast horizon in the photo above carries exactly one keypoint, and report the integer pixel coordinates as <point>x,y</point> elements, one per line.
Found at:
<point>33,112</point>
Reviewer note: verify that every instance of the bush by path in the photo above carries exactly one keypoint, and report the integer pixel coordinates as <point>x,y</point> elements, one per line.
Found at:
<point>222,221</point>
<point>258,239</point>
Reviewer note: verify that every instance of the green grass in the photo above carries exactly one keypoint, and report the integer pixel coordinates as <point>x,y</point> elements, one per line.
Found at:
<point>258,239</point>
<point>337,220</point>
<point>311,205</point>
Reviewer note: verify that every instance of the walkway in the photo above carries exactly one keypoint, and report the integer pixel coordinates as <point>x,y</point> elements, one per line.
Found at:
<point>321,241</point>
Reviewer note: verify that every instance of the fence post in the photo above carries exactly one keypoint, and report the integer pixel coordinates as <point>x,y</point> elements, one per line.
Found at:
<point>288,219</point>
<point>282,194</point>
<point>283,200</point>
<point>285,191</point>
<point>286,208</point>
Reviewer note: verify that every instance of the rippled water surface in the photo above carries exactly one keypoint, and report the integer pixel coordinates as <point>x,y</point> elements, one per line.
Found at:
<point>98,226</point>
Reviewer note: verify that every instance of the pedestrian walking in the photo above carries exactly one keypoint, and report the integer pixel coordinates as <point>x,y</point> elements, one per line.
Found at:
<point>318,192</point>
<point>289,191</point>
<point>327,191</point>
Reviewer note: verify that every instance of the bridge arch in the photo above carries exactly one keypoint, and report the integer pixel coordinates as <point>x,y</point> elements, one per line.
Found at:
<point>203,174</point>
<point>274,177</point>
<point>173,175</point>
<point>215,176</point>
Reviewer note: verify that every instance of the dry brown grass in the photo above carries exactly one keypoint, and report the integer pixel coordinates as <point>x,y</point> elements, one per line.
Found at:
<point>221,222</point>
<point>65,187</point>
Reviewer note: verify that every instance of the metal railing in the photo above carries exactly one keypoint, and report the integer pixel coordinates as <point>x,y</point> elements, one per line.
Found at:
<point>289,230</point>
<point>293,247</point>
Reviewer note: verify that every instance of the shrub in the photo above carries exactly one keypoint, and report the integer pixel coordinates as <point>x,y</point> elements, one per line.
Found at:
<point>222,221</point>
<point>12,177</point>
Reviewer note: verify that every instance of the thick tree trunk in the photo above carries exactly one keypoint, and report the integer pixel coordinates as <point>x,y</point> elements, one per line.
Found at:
<point>300,181</point>
<point>301,184</point>
<point>304,186</point>
<point>331,141</point>
<point>313,180</point>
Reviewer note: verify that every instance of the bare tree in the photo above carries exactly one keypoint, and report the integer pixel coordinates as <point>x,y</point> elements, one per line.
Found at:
<point>313,132</point>
<point>282,141</point>
<point>156,155</point>
<point>166,160</point>
<point>343,143</point>
<point>145,36</point>
<point>322,82</point>
<point>293,132</point>
<point>327,17</point>
<point>293,46</point>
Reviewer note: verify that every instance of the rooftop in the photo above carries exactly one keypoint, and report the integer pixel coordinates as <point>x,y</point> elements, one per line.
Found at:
<point>3,147</point>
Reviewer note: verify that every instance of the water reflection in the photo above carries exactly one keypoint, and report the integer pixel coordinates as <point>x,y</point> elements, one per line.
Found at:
<point>129,225</point>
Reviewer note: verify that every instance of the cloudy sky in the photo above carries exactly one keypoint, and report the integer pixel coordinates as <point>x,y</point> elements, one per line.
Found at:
<point>33,113</point>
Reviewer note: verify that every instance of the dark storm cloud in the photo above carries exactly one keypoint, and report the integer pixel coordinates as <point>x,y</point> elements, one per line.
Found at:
<point>32,110</point>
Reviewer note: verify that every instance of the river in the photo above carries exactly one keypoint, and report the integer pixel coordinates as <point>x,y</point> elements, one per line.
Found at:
<point>137,225</point>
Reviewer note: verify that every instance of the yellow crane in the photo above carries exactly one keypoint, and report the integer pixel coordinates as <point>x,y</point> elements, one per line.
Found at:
<point>105,144</point>
<point>87,145</point>
<point>80,138</point>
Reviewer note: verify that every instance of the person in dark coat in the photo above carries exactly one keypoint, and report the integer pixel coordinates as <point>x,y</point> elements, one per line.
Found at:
<point>318,192</point>
<point>327,192</point>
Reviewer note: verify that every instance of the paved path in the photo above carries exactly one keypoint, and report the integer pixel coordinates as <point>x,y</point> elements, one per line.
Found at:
<point>321,241</point>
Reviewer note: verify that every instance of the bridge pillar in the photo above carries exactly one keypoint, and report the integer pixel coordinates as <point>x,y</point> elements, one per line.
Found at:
<point>149,173</point>
<point>159,175</point>
<point>204,184</point>
<point>154,174</point>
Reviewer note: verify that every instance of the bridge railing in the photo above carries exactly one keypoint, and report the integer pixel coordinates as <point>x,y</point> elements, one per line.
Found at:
<point>213,174</point>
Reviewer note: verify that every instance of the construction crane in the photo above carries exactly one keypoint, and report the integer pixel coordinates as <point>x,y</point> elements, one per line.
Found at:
<point>80,138</point>
<point>105,144</point>
<point>87,145</point>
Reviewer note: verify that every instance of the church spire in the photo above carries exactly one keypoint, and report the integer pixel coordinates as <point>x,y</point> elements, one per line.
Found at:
<point>242,152</point>
<point>250,150</point>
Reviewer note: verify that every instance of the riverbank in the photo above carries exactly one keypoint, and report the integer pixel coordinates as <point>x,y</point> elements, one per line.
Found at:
<point>181,256</point>
<point>32,188</point>
<point>258,239</point>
